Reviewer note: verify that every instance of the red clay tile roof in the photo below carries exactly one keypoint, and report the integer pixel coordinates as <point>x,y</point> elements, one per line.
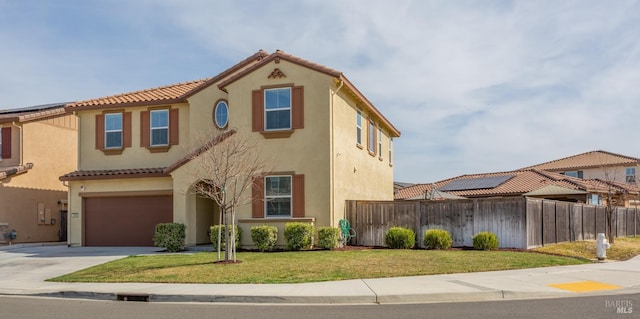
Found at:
<point>114,174</point>
<point>32,113</point>
<point>14,170</point>
<point>586,160</point>
<point>523,181</point>
<point>178,93</point>
<point>174,93</point>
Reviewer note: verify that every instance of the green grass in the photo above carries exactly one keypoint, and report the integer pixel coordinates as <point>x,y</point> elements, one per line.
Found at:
<point>623,248</point>
<point>309,266</point>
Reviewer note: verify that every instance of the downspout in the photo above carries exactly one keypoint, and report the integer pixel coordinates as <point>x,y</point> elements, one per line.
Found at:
<point>333,165</point>
<point>21,143</point>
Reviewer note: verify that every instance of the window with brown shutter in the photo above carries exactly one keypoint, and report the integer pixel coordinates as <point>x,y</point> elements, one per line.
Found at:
<point>114,137</point>
<point>274,117</point>
<point>6,143</point>
<point>298,195</point>
<point>146,128</point>
<point>257,204</point>
<point>278,196</point>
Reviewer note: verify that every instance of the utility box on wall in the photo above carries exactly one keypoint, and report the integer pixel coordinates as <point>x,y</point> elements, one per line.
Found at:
<point>41,216</point>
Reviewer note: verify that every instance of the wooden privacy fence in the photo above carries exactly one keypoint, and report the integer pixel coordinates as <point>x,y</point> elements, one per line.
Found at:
<point>518,222</point>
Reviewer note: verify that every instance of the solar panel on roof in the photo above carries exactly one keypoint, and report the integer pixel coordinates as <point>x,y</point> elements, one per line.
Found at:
<point>476,183</point>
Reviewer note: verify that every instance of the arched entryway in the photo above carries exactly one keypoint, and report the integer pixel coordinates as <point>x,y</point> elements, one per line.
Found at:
<point>207,215</point>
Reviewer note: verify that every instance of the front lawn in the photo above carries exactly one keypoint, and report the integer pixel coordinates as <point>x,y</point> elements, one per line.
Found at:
<point>309,266</point>
<point>624,248</point>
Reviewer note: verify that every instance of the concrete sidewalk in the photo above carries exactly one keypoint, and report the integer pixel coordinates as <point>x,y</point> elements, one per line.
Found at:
<point>24,269</point>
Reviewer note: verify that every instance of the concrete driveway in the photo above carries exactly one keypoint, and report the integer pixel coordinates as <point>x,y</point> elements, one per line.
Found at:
<point>27,267</point>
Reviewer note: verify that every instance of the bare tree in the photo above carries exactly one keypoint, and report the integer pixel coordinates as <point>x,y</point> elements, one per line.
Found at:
<point>225,166</point>
<point>613,195</point>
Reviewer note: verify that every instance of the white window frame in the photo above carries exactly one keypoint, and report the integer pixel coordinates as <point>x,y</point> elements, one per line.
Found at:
<point>380,142</point>
<point>107,131</point>
<point>630,178</point>
<point>267,198</point>
<point>152,128</point>
<point>266,111</point>
<point>390,151</point>
<point>359,128</point>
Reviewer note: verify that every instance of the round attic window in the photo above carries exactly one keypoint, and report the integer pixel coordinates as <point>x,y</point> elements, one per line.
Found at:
<point>221,114</point>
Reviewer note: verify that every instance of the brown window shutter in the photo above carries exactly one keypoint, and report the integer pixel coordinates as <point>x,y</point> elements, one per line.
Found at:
<point>297,108</point>
<point>145,127</point>
<point>126,129</point>
<point>257,110</point>
<point>298,195</point>
<point>6,142</point>
<point>174,129</point>
<point>257,203</point>
<point>100,131</point>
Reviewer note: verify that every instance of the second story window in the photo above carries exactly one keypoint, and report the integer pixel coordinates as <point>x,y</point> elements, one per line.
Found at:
<point>113,130</point>
<point>372,138</point>
<point>277,108</point>
<point>221,114</point>
<point>159,127</point>
<point>380,143</point>
<point>630,175</point>
<point>390,151</point>
<point>359,128</point>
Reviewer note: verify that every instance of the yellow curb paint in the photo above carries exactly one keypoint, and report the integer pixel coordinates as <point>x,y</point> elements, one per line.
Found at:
<point>584,286</point>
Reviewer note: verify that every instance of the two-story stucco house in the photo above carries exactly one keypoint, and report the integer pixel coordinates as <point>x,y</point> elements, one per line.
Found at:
<point>38,144</point>
<point>327,142</point>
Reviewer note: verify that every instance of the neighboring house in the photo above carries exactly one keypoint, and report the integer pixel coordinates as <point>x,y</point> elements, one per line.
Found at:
<point>38,144</point>
<point>326,141</point>
<point>595,165</point>
<point>528,182</point>
<point>400,185</point>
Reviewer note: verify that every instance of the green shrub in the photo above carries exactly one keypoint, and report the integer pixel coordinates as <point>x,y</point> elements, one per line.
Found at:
<point>485,241</point>
<point>400,238</point>
<point>213,235</point>
<point>437,239</point>
<point>264,237</point>
<point>298,236</point>
<point>328,237</point>
<point>170,236</point>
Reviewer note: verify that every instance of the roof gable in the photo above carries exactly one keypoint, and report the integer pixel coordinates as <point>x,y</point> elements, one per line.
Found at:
<point>173,93</point>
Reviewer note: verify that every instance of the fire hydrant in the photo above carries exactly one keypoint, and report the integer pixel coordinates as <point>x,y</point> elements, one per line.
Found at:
<point>602,244</point>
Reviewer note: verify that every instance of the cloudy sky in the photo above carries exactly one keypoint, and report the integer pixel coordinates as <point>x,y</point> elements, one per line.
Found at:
<point>474,86</point>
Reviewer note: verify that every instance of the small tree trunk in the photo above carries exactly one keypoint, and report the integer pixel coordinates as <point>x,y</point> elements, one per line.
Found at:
<point>233,232</point>
<point>219,231</point>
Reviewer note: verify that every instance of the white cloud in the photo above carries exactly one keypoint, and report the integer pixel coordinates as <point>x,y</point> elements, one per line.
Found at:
<point>473,86</point>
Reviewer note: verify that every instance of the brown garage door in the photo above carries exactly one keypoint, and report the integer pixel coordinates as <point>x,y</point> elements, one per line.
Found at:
<point>125,221</point>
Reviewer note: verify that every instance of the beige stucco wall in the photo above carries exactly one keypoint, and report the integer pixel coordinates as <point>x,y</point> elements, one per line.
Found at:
<point>50,144</point>
<point>612,173</point>
<point>135,156</point>
<point>357,174</point>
